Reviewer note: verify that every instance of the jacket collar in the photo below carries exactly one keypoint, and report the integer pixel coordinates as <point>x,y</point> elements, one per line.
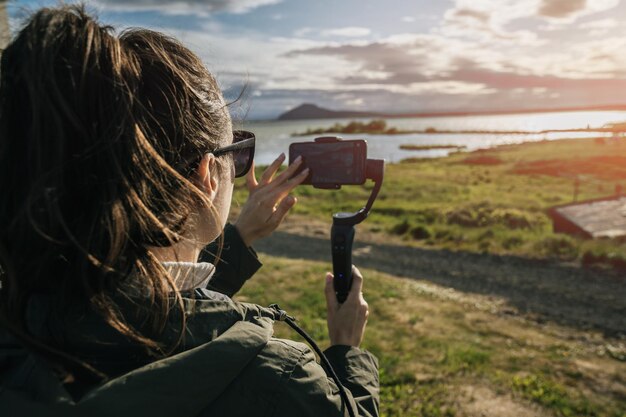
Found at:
<point>190,275</point>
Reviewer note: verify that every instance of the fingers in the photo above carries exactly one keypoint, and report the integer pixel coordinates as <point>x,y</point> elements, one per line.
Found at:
<point>269,172</point>
<point>286,187</point>
<point>277,188</point>
<point>282,209</point>
<point>273,194</point>
<point>331,298</point>
<point>357,284</point>
<point>251,181</point>
<point>286,174</point>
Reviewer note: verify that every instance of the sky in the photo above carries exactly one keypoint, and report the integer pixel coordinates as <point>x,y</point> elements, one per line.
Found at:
<point>403,56</point>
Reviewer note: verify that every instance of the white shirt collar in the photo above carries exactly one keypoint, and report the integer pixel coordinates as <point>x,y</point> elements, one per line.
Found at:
<point>190,275</point>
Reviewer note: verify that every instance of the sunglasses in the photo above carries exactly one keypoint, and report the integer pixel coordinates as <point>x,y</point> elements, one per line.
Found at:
<point>242,149</point>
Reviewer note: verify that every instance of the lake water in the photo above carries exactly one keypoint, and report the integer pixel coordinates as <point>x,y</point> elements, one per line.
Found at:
<point>274,137</point>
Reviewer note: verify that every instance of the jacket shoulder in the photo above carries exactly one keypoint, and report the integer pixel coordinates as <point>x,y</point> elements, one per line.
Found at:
<point>259,389</point>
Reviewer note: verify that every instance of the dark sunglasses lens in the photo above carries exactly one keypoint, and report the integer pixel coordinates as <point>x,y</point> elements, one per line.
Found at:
<point>242,157</point>
<point>241,162</point>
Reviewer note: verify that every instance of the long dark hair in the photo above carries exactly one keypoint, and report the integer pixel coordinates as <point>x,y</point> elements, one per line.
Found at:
<point>95,130</point>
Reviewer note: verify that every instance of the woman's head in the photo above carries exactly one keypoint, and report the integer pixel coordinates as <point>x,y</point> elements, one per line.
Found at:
<point>187,118</point>
<point>103,143</point>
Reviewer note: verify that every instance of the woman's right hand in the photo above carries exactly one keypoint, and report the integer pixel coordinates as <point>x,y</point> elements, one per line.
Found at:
<point>347,320</point>
<point>269,200</point>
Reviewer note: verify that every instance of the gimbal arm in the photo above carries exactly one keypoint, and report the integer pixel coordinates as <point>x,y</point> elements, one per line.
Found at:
<point>342,232</point>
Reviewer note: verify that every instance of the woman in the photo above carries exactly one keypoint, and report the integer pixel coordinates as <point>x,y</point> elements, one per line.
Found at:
<point>117,161</point>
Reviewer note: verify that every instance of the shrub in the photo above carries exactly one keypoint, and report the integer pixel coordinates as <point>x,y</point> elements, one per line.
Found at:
<point>611,259</point>
<point>512,242</point>
<point>401,228</point>
<point>420,233</point>
<point>442,234</point>
<point>563,247</point>
<point>428,216</point>
<point>486,235</point>
<point>377,125</point>
<point>463,217</point>
<point>483,214</point>
<point>353,127</point>
<point>514,219</point>
<point>473,215</point>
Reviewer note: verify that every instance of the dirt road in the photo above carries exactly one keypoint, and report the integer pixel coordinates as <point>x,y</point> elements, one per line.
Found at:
<point>542,290</point>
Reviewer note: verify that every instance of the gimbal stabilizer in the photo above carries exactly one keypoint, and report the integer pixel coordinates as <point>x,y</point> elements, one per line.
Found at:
<point>342,232</point>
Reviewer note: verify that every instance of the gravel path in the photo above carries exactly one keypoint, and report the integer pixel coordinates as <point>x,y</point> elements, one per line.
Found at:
<point>544,290</point>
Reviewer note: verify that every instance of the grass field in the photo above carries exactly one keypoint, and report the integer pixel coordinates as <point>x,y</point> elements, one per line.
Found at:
<point>443,353</point>
<point>447,353</point>
<point>491,201</point>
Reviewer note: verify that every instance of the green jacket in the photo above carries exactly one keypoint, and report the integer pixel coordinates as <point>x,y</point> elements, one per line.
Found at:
<point>228,365</point>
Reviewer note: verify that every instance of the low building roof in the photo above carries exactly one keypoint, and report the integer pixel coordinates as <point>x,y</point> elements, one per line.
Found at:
<point>600,218</point>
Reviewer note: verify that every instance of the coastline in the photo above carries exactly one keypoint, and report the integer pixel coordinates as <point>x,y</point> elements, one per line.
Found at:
<point>491,200</point>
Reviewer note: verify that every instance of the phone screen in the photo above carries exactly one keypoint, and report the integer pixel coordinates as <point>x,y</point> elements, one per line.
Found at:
<point>332,164</point>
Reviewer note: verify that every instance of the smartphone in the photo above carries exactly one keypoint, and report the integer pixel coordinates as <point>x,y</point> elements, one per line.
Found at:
<point>332,161</point>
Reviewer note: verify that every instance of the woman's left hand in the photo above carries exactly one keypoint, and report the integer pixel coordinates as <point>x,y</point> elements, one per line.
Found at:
<point>269,200</point>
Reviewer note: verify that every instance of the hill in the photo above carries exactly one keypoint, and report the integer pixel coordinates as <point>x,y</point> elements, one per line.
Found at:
<point>311,111</point>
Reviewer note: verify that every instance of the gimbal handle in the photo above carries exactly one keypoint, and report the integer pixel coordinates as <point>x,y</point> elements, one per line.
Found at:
<point>342,232</point>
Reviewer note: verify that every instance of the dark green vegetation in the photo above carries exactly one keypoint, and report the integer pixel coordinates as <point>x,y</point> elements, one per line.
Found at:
<point>447,354</point>
<point>377,126</point>
<point>491,201</point>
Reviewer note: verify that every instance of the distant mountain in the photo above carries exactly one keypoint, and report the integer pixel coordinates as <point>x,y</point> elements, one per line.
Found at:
<point>311,111</point>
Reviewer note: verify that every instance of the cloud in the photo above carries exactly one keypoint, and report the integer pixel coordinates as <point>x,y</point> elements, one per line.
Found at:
<point>489,19</point>
<point>302,32</point>
<point>486,20</point>
<point>599,27</point>
<point>247,58</point>
<point>283,72</point>
<point>608,23</point>
<point>345,32</point>
<point>561,8</point>
<point>481,17</point>
<point>414,64</point>
<point>483,56</point>
<point>410,64</point>
<point>466,62</point>
<point>184,7</point>
<point>348,32</point>
<point>569,10</point>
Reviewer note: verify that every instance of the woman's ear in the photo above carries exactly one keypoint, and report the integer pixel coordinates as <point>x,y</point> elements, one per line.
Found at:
<point>207,175</point>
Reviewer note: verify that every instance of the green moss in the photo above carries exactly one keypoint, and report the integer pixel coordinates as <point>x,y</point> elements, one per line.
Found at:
<point>465,358</point>
<point>419,400</point>
<point>552,395</point>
